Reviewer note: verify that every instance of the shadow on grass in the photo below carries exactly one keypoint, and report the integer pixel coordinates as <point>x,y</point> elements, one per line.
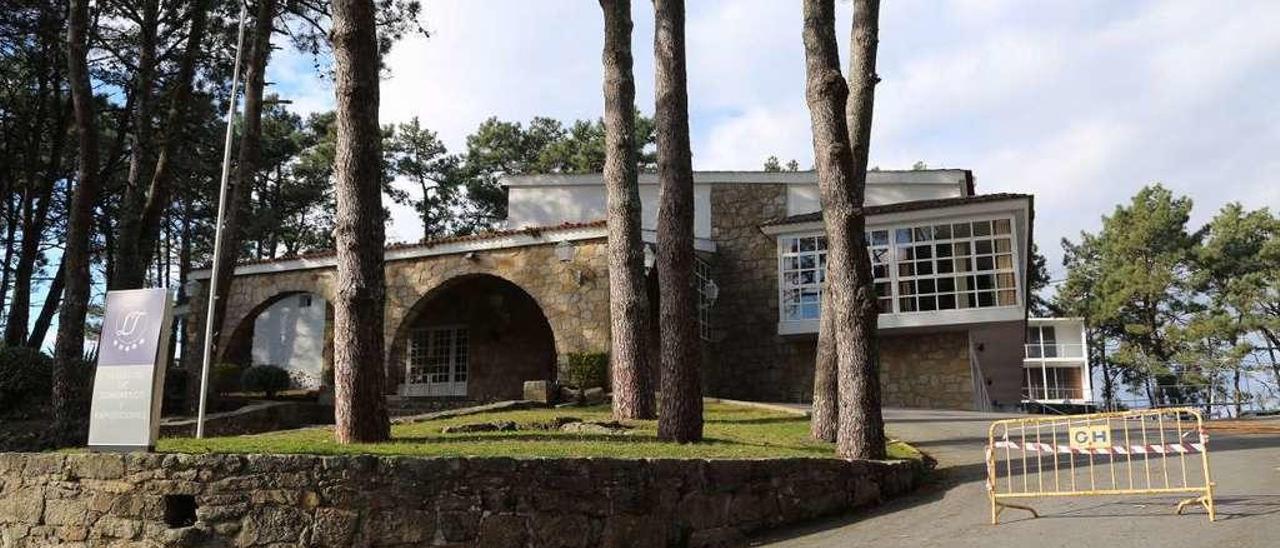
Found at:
<point>761,420</point>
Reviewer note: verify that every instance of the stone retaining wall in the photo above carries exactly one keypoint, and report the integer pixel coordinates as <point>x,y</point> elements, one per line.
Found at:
<point>280,500</point>
<point>255,418</point>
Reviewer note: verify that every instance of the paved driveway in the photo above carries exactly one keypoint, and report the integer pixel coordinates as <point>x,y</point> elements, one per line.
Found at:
<point>953,510</point>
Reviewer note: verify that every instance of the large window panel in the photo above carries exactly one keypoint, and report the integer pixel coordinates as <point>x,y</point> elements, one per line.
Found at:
<point>915,268</point>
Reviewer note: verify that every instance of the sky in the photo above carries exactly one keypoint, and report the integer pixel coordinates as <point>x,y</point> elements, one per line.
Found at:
<point>1079,102</point>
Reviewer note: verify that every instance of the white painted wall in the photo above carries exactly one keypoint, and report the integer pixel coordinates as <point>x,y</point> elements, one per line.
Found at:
<point>290,335</point>
<point>548,200</point>
<point>803,198</point>
<point>553,205</point>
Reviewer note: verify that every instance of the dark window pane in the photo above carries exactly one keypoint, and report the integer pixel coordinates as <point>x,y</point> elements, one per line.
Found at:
<point>982,228</point>
<point>923,234</point>
<point>986,281</point>
<point>982,247</point>
<point>942,232</point>
<point>907,304</point>
<point>924,251</point>
<point>986,299</point>
<point>961,230</point>
<point>906,269</point>
<point>926,286</point>
<point>962,249</point>
<point>942,250</point>
<point>924,268</point>
<point>907,288</point>
<point>946,285</point>
<point>945,267</point>
<point>928,303</point>
<point>985,263</point>
<point>946,302</point>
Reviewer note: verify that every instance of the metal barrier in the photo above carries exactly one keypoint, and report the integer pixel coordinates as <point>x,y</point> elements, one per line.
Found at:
<point>1146,452</point>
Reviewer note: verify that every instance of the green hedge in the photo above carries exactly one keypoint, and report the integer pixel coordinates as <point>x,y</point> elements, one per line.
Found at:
<point>268,379</point>
<point>26,378</point>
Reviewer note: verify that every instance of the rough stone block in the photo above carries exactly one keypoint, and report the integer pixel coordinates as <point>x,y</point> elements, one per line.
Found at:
<point>97,466</point>
<point>539,391</point>
<point>22,506</point>
<point>503,530</point>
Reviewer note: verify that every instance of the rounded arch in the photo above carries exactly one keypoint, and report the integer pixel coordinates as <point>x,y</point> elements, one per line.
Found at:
<point>298,336</point>
<point>475,335</point>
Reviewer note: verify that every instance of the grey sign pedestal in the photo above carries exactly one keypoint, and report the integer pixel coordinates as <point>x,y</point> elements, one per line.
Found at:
<point>129,385</point>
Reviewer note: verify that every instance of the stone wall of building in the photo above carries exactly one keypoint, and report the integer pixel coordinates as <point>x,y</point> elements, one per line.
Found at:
<point>751,360</point>
<point>282,500</point>
<point>926,370</point>
<point>573,296</point>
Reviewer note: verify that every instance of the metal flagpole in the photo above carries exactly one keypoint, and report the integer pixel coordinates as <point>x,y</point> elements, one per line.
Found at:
<point>217,230</point>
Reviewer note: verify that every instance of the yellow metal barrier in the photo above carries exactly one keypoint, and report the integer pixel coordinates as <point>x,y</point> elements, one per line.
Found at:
<point>1147,452</point>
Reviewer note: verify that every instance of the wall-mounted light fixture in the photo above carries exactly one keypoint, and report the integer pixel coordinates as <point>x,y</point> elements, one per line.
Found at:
<point>650,258</point>
<point>564,251</point>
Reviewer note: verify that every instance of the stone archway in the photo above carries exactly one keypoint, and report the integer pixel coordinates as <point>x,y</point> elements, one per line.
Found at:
<point>292,329</point>
<point>475,336</point>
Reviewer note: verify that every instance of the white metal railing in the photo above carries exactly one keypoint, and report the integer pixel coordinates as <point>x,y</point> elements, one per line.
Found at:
<point>1052,393</point>
<point>1050,351</point>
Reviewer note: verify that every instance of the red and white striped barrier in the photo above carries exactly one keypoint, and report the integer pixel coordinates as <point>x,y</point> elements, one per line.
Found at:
<point>1159,449</point>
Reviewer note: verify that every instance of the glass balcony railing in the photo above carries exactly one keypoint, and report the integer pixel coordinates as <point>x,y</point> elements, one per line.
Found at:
<point>1040,393</point>
<point>1054,351</point>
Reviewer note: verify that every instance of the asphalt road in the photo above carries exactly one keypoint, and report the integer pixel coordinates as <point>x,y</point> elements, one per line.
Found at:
<point>953,511</point>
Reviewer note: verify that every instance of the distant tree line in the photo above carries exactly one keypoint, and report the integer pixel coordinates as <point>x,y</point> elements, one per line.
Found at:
<point>1176,314</point>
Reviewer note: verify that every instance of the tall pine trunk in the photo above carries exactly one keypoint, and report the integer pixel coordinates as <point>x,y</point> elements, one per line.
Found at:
<point>633,396</point>
<point>825,419</point>
<point>680,413</point>
<point>360,409</point>
<point>52,296</point>
<point>840,154</point>
<point>69,348</point>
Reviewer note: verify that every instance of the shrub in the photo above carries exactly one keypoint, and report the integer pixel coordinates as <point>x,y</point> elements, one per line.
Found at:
<point>585,370</point>
<point>265,378</point>
<point>26,377</point>
<point>224,378</point>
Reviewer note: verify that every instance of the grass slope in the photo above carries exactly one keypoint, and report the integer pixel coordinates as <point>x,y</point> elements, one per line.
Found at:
<point>731,432</point>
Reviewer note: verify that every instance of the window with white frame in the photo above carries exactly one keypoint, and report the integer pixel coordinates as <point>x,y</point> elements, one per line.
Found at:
<point>915,268</point>
<point>955,266</point>
<point>702,271</point>
<point>803,264</point>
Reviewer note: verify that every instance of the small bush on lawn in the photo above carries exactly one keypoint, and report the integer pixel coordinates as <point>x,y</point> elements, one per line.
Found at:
<point>586,369</point>
<point>225,377</point>
<point>265,378</point>
<point>26,377</point>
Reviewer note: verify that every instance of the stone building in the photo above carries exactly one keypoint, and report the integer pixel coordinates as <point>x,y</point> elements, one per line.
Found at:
<point>473,317</point>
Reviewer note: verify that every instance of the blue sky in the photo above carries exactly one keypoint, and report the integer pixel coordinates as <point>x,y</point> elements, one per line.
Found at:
<point>1079,102</point>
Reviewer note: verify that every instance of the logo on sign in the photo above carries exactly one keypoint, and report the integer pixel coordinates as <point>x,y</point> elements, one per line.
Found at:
<point>1090,437</point>
<point>130,331</point>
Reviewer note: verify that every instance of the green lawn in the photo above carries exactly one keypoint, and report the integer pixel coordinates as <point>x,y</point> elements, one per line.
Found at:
<point>731,432</point>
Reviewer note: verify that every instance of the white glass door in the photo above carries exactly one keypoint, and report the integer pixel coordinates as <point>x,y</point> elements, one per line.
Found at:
<point>437,362</point>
